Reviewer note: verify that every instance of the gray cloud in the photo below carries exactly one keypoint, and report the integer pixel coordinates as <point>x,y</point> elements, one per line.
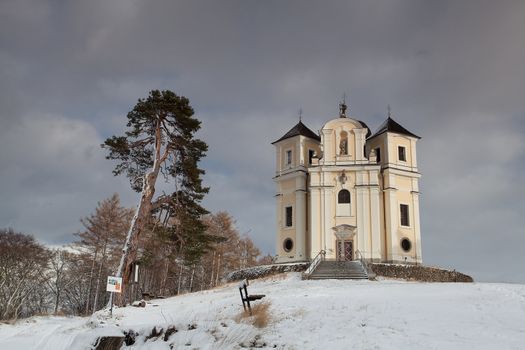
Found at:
<point>452,72</point>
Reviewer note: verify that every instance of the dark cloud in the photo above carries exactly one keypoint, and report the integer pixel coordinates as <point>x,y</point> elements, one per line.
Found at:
<point>452,72</point>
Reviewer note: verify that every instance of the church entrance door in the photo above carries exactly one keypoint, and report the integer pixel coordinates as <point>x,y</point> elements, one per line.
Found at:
<point>345,251</point>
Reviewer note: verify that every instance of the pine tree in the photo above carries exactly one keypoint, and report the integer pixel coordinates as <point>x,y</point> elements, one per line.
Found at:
<point>160,141</point>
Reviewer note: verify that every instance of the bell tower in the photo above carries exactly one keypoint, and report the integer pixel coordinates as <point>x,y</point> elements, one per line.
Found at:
<point>294,153</point>
<point>395,150</point>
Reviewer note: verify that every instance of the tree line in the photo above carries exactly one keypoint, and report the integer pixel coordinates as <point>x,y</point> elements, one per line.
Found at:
<point>35,279</point>
<point>169,244</point>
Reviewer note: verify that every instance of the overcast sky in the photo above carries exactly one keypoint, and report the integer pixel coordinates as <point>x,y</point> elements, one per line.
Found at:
<point>453,72</point>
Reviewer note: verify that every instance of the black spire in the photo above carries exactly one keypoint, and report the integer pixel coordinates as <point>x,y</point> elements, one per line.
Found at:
<point>299,129</point>
<point>390,125</point>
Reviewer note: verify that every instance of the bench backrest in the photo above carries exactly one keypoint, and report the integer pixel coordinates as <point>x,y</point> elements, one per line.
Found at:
<point>242,286</point>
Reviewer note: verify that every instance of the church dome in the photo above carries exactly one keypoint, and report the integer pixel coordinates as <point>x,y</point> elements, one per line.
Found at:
<point>346,122</point>
<point>349,123</point>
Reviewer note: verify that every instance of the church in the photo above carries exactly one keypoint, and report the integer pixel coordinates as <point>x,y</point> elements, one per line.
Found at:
<point>347,192</point>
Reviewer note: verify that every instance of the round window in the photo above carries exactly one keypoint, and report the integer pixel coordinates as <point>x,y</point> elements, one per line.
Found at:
<point>288,244</point>
<point>406,244</point>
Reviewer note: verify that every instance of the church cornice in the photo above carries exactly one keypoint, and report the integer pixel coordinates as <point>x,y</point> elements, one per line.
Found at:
<point>340,167</point>
<point>400,171</point>
<point>290,174</point>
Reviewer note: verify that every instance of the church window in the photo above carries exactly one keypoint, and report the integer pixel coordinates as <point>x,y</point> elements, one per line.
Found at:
<point>289,216</point>
<point>343,197</point>
<point>288,245</point>
<point>311,153</point>
<point>378,154</point>
<point>404,215</point>
<point>406,244</point>
<point>402,153</point>
<point>288,157</point>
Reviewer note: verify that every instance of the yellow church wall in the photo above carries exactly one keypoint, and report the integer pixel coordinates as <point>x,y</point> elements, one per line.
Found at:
<point>403,183</point>
<point>287,200</point>
<point>309,144</point>
<point>408,143</point>
<point>287,185</point>
<point>284,146</point>
<point>404,195</point>
<point>403,142</point>
<point>377,142</point>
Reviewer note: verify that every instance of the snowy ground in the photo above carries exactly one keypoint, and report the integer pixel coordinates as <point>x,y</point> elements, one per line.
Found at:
<point>331,314</point>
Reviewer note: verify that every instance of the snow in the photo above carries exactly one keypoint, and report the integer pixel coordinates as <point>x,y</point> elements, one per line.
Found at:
<point>329,314</point>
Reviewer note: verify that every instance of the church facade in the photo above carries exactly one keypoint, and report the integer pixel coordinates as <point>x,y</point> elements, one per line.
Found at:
<point>347,192</point>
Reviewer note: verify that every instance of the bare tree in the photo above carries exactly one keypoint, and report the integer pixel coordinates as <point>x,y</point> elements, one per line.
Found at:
<point>23,264</point>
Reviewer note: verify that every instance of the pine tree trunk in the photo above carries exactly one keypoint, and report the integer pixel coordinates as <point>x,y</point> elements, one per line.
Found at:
<point>129,251</point>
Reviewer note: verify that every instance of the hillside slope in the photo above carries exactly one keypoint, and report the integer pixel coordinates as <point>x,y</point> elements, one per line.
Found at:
<point>330,314</point>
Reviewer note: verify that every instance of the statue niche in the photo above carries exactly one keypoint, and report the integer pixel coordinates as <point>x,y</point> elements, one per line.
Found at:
<point>343,144</point>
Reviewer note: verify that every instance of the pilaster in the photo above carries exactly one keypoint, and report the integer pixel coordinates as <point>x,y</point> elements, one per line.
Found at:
<point>300,217</point>
<point>315,224</point>
<point>359,144</point>
<point>417,231</point>
<point>328,240</point>
<point>361,220</point>
<point>375,225</point>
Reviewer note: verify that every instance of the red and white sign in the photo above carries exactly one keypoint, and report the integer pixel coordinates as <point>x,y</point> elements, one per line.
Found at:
<point>114,284</point>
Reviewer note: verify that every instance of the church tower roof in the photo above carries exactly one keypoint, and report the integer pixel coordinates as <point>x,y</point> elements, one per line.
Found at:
<point>299,129</point>
<point>390,125</point>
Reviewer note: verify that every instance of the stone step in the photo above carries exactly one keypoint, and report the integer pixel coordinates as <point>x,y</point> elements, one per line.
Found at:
<point>339,273</point>
<point>339,270</point>
<point>338,278</point>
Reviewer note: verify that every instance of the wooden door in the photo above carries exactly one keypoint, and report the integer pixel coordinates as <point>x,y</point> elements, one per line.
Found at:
<point>345,251</point>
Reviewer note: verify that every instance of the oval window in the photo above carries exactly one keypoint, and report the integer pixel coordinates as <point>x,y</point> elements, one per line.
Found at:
<point>288,244</point>
<point>406,244</point>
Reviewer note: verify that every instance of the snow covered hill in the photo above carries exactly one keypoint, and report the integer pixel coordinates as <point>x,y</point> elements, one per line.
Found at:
<point>329,314</point>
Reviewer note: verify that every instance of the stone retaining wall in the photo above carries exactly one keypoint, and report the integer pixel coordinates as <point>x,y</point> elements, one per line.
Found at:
<point>419,273</point>
<point>265,270</point>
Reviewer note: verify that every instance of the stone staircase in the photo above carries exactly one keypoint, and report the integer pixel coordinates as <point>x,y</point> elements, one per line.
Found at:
<point>339,270</point>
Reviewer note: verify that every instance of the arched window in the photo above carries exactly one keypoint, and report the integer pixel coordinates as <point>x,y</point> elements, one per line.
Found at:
<point>343,197</point>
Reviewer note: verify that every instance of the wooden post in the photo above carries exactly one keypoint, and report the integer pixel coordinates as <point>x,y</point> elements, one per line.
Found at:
<point>111,303</point>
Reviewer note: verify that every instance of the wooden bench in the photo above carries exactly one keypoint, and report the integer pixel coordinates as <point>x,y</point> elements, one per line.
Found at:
<point>245,297</point>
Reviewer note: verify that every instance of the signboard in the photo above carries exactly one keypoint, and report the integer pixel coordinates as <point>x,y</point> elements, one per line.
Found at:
<point>114,284</point>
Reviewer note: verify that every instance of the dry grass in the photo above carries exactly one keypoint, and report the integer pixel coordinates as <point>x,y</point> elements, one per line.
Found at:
<point>276,277</point>
<point>260,316</point>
